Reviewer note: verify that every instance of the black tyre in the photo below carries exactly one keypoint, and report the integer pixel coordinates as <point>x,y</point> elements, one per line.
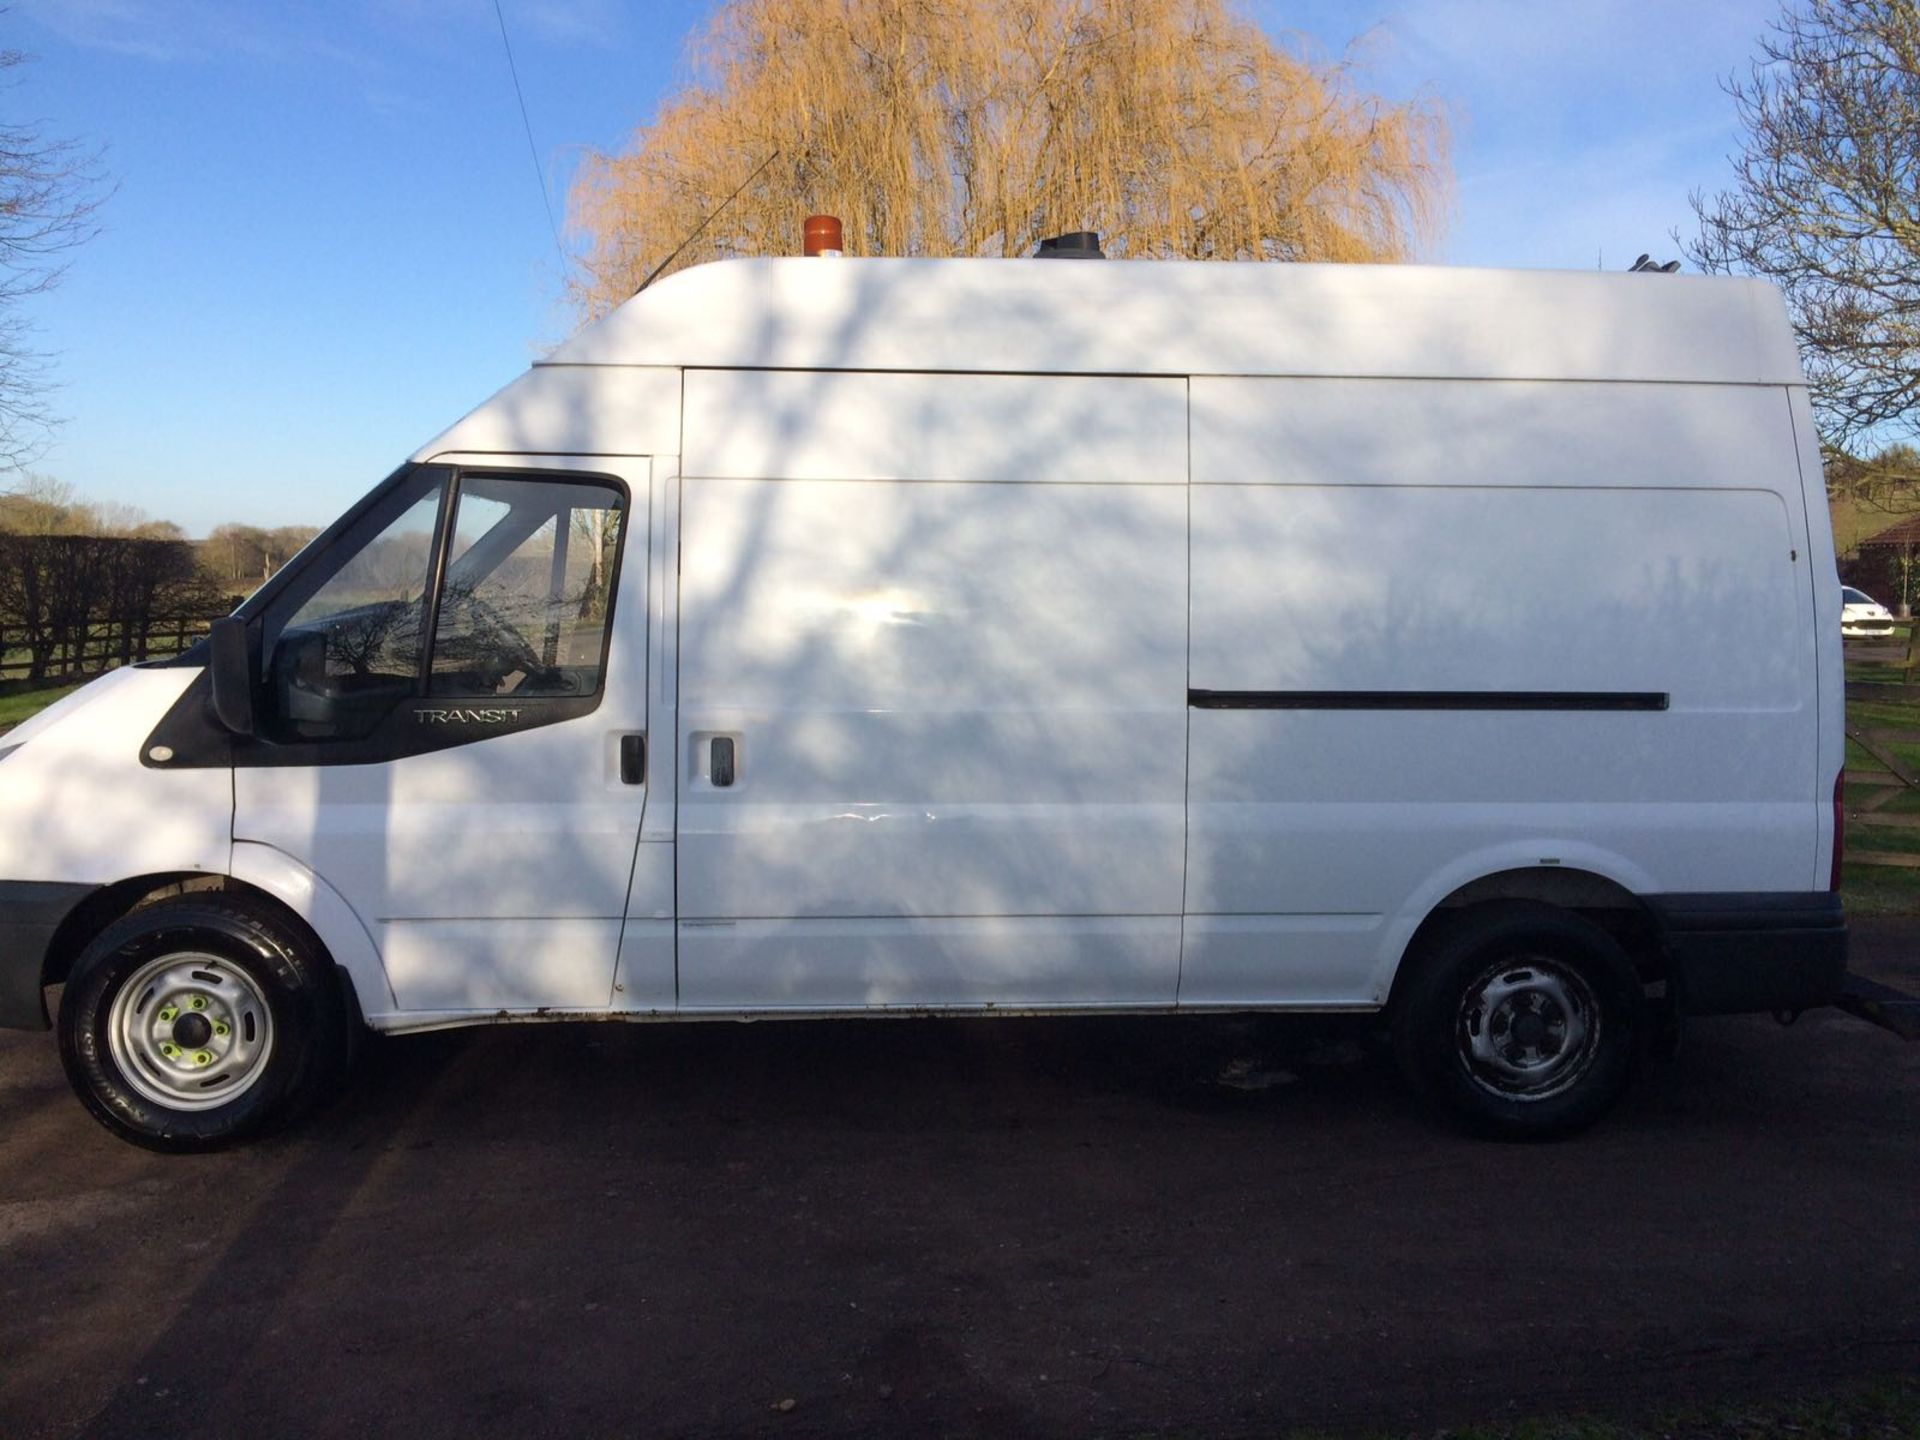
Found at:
<point>200,1021</point>
<point>1522,1021</point>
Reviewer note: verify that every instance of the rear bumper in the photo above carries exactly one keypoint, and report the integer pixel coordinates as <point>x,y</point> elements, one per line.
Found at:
<point>31,911</point>
<point>1735,954</point>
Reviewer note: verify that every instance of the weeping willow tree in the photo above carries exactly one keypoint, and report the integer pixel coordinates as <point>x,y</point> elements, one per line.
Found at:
<point>1176,128</point>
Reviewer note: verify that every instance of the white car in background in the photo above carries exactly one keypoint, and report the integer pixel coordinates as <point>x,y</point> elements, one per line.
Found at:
<point>1861,615</point>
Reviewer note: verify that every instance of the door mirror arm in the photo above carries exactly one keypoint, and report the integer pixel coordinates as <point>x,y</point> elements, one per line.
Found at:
<point>230,670</point>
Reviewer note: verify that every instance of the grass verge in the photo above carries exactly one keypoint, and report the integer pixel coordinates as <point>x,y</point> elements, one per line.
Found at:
<point>1881,889</point>
<point>22,702</point>
<point>1886,1411</point>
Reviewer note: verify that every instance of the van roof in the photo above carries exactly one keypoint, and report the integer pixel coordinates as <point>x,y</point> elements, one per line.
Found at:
<point>1199,318</point>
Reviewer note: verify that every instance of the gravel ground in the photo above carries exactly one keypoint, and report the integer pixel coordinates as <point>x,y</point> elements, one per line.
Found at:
<point>983,1228</point>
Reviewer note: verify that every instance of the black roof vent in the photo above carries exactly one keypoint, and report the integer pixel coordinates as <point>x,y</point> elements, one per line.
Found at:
<point>1645,266</point>
<point>1074,245</point>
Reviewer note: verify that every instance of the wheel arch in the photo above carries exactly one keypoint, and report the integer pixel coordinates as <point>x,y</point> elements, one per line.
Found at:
<point>108,904</point>
<point>324,911</point>
<point>1609,895</point>
<point>306,903</point>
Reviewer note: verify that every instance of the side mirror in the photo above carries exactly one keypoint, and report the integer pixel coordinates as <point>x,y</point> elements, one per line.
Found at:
<point>230,668</point>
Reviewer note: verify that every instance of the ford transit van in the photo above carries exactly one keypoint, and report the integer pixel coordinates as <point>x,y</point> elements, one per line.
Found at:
<point>834,637</point>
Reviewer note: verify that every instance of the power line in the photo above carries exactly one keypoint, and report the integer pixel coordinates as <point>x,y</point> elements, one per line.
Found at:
<point>533,151</point>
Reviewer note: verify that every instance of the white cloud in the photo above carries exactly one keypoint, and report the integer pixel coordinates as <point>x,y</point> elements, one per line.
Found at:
<point>129,27</point>
<point>567,22</point>
<point>187,30</point>
<point>554,22</point>
<point>1577,126</point>
<point>190,30</point>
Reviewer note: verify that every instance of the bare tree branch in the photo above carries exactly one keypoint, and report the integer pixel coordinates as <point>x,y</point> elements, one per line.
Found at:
<point>1826,203</point>
<point>50,192</point>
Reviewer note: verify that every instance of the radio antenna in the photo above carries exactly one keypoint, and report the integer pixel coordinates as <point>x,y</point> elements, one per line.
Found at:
<point>654,274</point>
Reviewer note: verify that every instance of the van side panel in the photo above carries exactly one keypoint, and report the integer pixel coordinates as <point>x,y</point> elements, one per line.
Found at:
<point>948,652</point>
<point>1033,429</point>
<point>1825,580</point>
<point>606,410</point>
<point>1392,574</point>
<point>79,806</point>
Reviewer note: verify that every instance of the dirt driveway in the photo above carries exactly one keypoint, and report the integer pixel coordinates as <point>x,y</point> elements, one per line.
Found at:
<point>989,1228</point>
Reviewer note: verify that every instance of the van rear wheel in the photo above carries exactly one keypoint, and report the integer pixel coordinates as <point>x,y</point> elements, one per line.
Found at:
<point>199,1021</point>
<point>1522,1021</point>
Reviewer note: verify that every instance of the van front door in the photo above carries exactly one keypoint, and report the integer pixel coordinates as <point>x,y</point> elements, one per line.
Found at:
<point>455,701</point>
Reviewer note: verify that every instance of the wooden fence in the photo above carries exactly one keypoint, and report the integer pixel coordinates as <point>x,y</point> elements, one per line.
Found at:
<point>104,647</point>
<point>1894,680</point>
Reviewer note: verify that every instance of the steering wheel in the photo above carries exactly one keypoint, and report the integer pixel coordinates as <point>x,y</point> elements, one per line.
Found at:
<point>489,648</point>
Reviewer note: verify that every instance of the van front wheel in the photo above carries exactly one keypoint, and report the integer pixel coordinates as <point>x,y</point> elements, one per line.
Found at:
<point>1521,1020</point>
<point>199,1021</point>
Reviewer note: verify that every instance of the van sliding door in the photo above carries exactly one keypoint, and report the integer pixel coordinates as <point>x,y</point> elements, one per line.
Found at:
<point>932,690</point>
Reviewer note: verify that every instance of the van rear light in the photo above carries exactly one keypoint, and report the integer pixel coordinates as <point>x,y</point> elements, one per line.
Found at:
<point>1839,829</point>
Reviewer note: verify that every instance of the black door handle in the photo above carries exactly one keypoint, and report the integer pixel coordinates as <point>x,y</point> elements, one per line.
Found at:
<point>720,761</point>
<point>633,759</point>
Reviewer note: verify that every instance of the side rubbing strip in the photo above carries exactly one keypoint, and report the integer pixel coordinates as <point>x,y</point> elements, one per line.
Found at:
<point>1427,699</point>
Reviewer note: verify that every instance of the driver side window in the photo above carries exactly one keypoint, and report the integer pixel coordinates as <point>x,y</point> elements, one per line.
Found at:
<point>528,589</point>
<point>451,587</point>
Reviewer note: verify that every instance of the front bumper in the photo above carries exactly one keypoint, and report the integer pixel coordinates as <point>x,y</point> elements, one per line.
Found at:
<point>31,912</point>
<point>1738,954</point>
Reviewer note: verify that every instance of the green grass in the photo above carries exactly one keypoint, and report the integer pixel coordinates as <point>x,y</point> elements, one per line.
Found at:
<point>19,702</point>
<point>1869,890</point>
<point>1886,1411</point>
<point>1880,889</point>
<point>1883,1412</point>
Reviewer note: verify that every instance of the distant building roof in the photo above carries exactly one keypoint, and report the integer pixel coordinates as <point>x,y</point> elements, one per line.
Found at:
<point>1906,533</point>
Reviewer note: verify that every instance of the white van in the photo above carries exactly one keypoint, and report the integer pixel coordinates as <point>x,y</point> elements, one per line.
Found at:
<point>864,637</point>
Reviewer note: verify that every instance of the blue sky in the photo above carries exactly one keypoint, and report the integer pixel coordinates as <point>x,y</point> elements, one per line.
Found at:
<point>326,241</point>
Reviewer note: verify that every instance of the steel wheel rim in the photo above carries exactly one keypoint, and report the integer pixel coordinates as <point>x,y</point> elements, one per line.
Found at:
<point>190,1031</point>
<point>1528,1028</point>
